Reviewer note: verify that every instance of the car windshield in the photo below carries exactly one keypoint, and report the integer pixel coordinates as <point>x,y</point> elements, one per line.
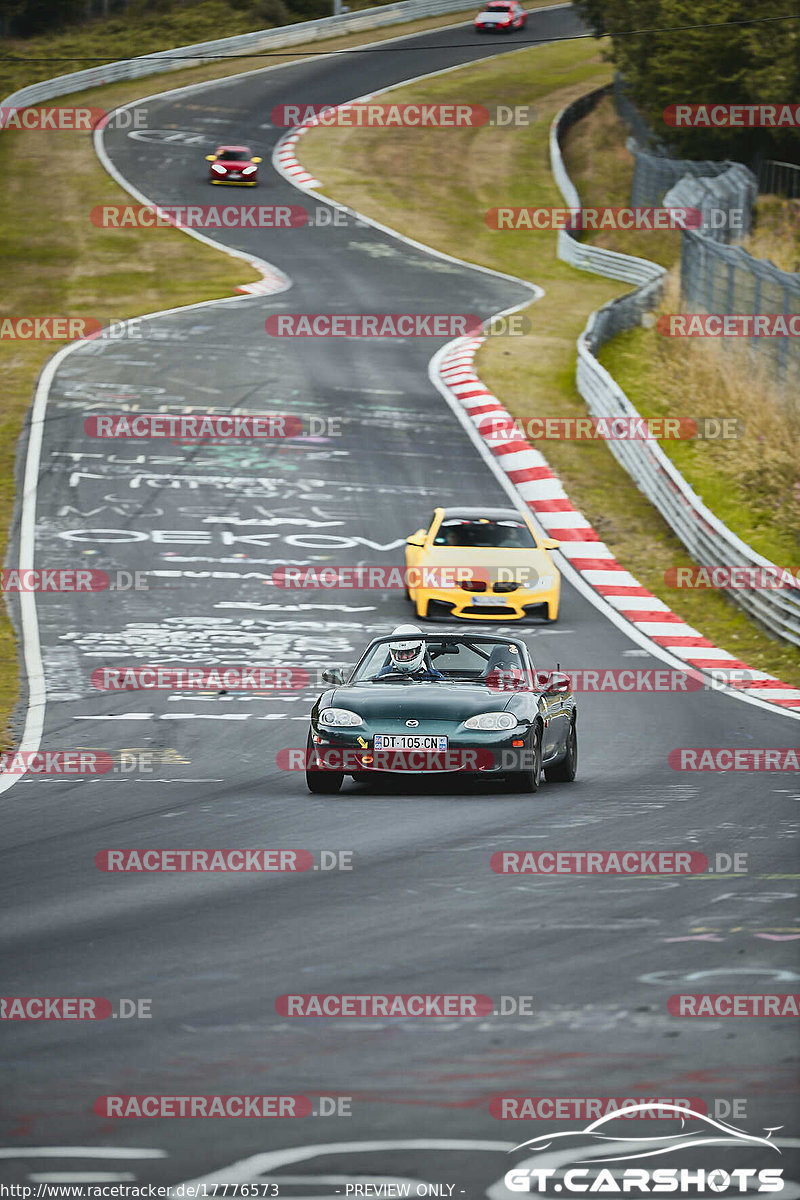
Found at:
<point>498,8</point>
<point>461,660</point>
<point>482,533</point>
<point>234,155</point>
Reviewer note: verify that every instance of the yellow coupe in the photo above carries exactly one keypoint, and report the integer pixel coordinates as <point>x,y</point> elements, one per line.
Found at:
<point>482,565</point>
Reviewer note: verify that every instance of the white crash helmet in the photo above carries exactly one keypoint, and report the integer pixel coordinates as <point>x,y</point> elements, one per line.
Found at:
<point>408,653</point>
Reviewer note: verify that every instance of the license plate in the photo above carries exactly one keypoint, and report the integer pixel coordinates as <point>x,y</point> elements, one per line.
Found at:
<point>234,174</point>
<point>479,601</point>
<point>406,741</point>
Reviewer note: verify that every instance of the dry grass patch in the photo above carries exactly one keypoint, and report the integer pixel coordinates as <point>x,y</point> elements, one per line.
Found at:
<point>448,184</point>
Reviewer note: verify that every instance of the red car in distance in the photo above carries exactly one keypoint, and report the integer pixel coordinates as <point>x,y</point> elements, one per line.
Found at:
<point>500,16</point>
<point>233,164</point>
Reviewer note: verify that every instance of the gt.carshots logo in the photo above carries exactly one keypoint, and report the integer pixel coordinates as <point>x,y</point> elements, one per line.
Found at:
<point>621,1145</point>
<point>392,325</point>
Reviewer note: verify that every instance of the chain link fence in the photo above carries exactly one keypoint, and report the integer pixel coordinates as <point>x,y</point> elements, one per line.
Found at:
<point>709,541</point>
<point>717,276</point>
<point>779,179</point>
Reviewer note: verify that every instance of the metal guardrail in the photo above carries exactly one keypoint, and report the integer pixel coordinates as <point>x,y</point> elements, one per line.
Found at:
<point>709,541</point>
<point>779,178</point>
<point>196,55</point>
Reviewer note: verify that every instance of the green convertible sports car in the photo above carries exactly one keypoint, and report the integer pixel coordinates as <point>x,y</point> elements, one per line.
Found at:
<point>427,704</point>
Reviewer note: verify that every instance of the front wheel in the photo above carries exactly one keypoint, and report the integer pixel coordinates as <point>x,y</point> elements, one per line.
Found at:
<point>530,779</point>
<point>566,770</point>
<point>318,780</point>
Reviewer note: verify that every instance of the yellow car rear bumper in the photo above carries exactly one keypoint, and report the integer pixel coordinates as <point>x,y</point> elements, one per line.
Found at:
<point>506,606</point>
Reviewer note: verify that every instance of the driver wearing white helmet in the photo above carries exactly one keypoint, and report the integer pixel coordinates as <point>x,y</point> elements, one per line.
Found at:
<point>408,656</point>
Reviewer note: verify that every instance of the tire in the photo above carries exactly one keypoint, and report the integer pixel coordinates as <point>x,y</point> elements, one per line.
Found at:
<point>321,783</point>
<point>529,780</point>
<point>566,770</point>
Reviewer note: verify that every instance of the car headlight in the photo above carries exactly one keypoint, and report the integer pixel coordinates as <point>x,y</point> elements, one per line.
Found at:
<point>542,583</point>
<point>249,170</point>
<point>339,717</point>
<point>220,170</point>
<point>492,720</point>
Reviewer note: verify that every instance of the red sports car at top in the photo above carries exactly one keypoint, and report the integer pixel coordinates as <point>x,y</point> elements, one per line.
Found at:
<point>501,16</point>
<point>233,164</point>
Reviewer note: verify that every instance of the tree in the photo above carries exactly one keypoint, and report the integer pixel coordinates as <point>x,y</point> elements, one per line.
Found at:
<point>704,52</point>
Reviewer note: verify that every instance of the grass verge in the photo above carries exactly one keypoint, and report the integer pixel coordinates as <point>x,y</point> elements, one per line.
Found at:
<point>751,483</point>
<point>57,263</point>
<point>452,177</point>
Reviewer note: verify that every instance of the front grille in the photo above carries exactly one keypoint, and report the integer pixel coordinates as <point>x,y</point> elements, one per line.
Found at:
<point>490,610</point>
<point>505,587</point>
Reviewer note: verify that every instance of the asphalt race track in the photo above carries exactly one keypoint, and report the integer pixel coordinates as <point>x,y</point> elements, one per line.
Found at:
<point>420,911</point>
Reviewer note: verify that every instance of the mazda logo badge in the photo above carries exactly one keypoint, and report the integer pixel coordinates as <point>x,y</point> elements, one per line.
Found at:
<point>412,724</point>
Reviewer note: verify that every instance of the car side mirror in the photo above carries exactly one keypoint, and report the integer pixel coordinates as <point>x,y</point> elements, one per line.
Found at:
<point>333,675</point>
<point>211,158</point>
<point>255,160</point>
<point>550,543</point>
<point>417,539</point>
<point>553,683</point>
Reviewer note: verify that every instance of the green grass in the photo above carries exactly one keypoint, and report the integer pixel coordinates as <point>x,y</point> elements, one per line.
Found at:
<point>534,374</point>
<point>143,31</point>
